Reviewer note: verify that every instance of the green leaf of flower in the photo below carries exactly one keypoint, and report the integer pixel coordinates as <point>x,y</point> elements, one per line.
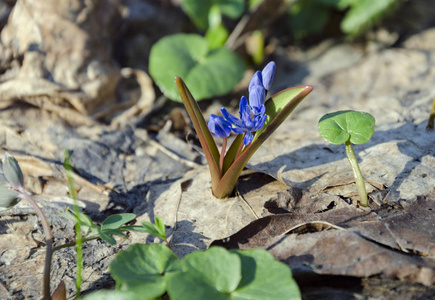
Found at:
<point>205,138</point>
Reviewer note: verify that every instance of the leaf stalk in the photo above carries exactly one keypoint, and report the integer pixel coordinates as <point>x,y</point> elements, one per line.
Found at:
<point>357,174</point>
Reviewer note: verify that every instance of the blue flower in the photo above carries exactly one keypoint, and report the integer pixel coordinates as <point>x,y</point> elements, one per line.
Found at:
<point>219,126</point>
<point>251,119</point>
<point>251,114</point>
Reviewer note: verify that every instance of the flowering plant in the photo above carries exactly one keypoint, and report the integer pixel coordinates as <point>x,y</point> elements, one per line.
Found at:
<point>258,119</point>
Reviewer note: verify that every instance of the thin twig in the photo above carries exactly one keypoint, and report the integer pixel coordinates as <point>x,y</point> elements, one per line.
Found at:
<point>173,155</point>
<point>430,122</point>
<point>73,243</point>
<point>246,202</point>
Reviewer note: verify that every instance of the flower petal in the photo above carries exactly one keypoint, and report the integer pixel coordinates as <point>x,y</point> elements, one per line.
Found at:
<point>219,126</point>
<point>260,123</point>
<point>231,118</point>
<point>248,138</point>
<point>239,130</point>
<point>267,75</point>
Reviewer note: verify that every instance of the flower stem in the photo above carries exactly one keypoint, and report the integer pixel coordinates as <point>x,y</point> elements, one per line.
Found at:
<point>222,156</point>
<point>49,241</point>
<point>239,150</point>
<point>357,174</point>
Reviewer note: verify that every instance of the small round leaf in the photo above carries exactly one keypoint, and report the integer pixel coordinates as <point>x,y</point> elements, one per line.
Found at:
<point>209,274</point>
<point>206,72</point>
<point>341,126</point>
<point>240,274</point>
<point>142,269</point>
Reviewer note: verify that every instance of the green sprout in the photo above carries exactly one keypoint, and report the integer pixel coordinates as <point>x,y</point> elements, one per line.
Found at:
<point>349,127</point>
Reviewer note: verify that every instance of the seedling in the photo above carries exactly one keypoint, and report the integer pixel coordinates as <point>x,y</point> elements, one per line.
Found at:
<point>150,271</point>
<point>349,127</point>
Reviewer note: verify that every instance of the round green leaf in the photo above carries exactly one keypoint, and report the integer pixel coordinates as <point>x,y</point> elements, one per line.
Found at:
<point>210,274</point>
<point>206,72</point>
<point>216,36</point>
<point>142,269</point>
<point>263,277</point>
<point>221,274</point>
<point>341,126</point>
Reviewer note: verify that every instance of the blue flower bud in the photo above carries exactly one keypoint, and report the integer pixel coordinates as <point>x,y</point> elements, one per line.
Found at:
<point>257,80</point>
<point>267,75</point>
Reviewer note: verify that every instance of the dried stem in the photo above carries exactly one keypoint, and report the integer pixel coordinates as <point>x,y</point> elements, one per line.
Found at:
<point>49,241</point>
<point>430,122</point>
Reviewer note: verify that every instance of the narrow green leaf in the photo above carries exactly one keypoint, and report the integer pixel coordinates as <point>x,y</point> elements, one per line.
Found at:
<point>278,108</point>
<point>160,227</point>
<point>107,238</point>
<point>150,228</point>
<point>205,138</point>
<point>232,151</point>
<point>116,221</point>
